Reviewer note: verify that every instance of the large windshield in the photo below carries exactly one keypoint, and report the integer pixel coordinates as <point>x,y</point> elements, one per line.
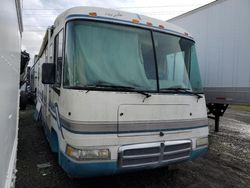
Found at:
<point>100,53</point>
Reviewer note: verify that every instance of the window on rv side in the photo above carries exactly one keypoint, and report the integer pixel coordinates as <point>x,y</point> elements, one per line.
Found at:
<point>58,57</point>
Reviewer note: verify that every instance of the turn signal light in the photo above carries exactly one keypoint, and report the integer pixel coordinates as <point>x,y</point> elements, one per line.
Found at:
<point>149,24</point>
<point>135,21</point>
<point>92,14</point>
<point>161,26</point>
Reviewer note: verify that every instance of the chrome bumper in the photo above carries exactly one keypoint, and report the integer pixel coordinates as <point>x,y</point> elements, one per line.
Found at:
<point>154,154</point>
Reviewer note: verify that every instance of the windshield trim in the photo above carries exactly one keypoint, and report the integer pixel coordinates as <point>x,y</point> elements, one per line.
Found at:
<point>156,64</point>
<point>109,89</point>
<point>144,27</point>
<point>125,22</point>
<point>128,91</point>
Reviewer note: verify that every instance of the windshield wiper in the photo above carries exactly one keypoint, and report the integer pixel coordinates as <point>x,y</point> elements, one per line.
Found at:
<point>123,88</point>
<point>118,87</point>
<point>182,90</point>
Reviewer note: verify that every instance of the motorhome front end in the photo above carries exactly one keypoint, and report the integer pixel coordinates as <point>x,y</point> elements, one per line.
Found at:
<point>118,92</point>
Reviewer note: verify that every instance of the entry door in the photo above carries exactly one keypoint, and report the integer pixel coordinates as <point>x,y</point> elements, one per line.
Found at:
<point>55,90</point>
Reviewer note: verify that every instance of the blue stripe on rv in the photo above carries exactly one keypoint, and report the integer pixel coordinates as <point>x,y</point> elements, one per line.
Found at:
<point>77,169</point>
<point>137,131</point>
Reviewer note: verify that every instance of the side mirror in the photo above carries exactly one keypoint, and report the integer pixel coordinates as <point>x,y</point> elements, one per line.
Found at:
<point>48,73</point>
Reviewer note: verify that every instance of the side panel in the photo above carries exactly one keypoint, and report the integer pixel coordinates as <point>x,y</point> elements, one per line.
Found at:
<point>221,33</point>
<point>44,90</point>
<point>9,88</point>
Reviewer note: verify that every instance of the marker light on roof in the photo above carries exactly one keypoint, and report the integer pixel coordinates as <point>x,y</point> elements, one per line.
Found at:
<point>135,21</point>
<point>186,34</point>
<point>161,26</point>
<point>92,14</point>
<point>149,24</point>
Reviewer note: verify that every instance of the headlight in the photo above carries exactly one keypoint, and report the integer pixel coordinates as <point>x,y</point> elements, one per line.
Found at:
<point>200,142</point>
<point>88,154</point>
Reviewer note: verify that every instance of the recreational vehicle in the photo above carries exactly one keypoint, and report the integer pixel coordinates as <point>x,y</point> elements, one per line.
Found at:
<point>119,92</point>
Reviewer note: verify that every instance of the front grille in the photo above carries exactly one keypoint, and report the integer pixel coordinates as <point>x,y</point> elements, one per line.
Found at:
<point>147,154</point>
<point>136,161</point>
<point>142,151</point>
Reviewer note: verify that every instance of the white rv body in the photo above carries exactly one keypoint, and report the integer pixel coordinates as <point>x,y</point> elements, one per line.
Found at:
<point>131,129</point>
<point>220,29</point>
<point>10,54</point>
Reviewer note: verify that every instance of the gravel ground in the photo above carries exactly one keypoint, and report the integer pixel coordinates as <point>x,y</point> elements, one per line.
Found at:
<point>227,163</point>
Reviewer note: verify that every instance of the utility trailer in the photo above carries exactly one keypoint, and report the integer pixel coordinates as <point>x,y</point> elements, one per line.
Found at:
<point>221,31</point>
<point>10,56</point>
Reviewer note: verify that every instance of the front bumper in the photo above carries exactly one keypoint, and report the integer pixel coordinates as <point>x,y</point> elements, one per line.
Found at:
<point>81,169</point>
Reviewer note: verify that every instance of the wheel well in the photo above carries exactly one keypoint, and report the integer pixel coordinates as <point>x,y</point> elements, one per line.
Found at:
<point>54,145</point>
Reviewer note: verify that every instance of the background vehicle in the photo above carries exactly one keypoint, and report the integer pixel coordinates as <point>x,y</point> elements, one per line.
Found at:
<point>119,91</point>
<point>33,80</point>
<point>10,57</point>
<point>24,80</point>
<point>220,31</point>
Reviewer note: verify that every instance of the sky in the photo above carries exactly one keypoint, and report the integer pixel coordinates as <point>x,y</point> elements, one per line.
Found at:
<point>39,14</point>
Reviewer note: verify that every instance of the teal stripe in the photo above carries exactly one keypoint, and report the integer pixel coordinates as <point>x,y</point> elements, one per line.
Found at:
<point>137,131</point>
<point>80,169</point>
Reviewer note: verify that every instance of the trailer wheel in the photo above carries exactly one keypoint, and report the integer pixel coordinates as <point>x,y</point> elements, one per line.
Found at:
<point>23,100</point>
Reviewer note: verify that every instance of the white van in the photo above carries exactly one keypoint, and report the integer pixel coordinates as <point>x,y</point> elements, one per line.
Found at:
<point>119,91</point>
